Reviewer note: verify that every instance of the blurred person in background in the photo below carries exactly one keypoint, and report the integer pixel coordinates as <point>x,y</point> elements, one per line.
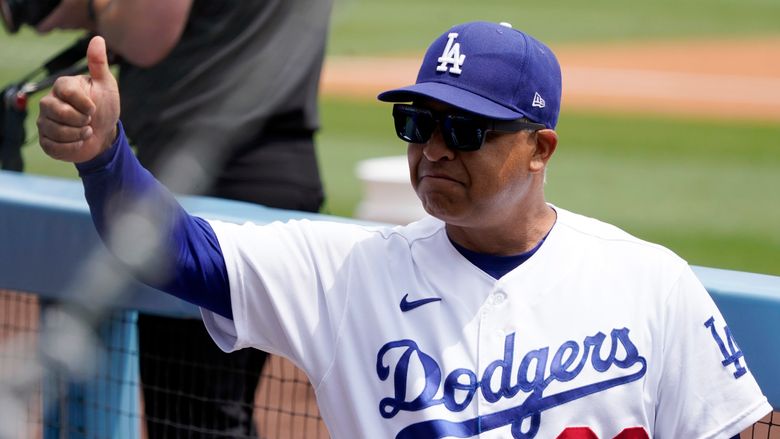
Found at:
<point>218,98</point>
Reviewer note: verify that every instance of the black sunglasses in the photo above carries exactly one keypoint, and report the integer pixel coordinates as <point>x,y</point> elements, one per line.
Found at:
<point>461,132</point>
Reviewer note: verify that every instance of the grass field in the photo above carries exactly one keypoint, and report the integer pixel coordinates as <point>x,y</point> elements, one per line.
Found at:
<point>368,26</point>
<point>706,189</point>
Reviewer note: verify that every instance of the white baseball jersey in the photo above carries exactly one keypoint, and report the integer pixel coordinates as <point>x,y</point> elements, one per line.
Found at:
<point>597,335</point>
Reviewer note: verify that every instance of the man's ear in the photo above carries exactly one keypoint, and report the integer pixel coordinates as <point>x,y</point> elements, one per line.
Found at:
<point>546,142</point>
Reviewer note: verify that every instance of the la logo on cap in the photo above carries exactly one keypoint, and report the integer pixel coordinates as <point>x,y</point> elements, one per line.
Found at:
<point>451,55</point>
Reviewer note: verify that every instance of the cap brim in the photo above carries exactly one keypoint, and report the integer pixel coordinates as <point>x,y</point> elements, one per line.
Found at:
<point>457,97</point>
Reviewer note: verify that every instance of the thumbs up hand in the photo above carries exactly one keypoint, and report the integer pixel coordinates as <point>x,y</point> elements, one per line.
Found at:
<point>78,118</point>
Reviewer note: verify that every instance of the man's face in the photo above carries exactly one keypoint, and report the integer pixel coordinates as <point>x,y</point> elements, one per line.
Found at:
<point>474,188</point>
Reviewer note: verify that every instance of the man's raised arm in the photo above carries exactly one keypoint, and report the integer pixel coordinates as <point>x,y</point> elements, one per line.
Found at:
<point>136,216</point>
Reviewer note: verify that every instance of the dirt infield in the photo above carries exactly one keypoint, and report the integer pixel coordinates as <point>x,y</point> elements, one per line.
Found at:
<point>723,79</point>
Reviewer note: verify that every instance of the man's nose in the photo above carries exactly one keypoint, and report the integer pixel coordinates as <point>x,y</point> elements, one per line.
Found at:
<point>435,149</point>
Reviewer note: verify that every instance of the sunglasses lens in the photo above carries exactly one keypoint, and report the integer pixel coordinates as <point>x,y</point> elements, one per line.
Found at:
<point>416,125</point>
<point>463,133</point>
<point>413,125</point>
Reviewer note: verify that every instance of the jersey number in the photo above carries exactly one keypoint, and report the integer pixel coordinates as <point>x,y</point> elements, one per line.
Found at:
<point>587,433</point>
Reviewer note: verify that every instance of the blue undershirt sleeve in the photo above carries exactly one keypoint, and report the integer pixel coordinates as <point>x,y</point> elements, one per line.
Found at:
<point>185,260</point>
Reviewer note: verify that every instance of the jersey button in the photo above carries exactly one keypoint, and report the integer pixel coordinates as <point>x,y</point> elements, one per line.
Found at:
<point>499,298</point>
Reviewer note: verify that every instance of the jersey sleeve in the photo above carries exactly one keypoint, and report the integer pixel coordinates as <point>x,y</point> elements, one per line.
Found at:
<point>706,390</point>
<point>176,253</point>
<point>282,280</point>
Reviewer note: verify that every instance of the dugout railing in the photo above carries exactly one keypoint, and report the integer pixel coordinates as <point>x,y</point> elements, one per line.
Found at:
<point>46,239</point>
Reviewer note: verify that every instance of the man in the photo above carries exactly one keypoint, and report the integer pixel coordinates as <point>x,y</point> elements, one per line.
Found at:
<point>498,316</point>
<point>218,97</point>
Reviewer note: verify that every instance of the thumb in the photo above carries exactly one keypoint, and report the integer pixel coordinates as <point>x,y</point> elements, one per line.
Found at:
<point>97,60</point>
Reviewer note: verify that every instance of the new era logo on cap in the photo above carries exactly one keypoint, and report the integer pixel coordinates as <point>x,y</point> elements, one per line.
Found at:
<point>489,69</point>
<point>538,101</point>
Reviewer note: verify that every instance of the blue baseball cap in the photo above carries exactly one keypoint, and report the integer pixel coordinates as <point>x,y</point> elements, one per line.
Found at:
<point>489,69</point>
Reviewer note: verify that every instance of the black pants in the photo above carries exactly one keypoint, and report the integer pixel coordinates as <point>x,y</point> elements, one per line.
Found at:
<point>191,388</point>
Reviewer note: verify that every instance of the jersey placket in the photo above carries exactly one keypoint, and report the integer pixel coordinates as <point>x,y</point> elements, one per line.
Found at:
<point>490,344</point>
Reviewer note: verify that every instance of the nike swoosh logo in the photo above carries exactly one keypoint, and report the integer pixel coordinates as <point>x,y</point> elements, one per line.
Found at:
<point>406,305</point>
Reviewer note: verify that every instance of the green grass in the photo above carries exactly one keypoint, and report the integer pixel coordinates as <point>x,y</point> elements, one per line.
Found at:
<point>705,189</point>
<point>370,26</point>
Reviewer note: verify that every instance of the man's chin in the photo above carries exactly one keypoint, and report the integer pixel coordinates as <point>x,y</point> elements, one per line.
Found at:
<point>442,211</point>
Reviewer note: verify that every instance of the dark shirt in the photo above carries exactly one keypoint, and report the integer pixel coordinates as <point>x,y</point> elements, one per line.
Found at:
<point>242,70</point>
